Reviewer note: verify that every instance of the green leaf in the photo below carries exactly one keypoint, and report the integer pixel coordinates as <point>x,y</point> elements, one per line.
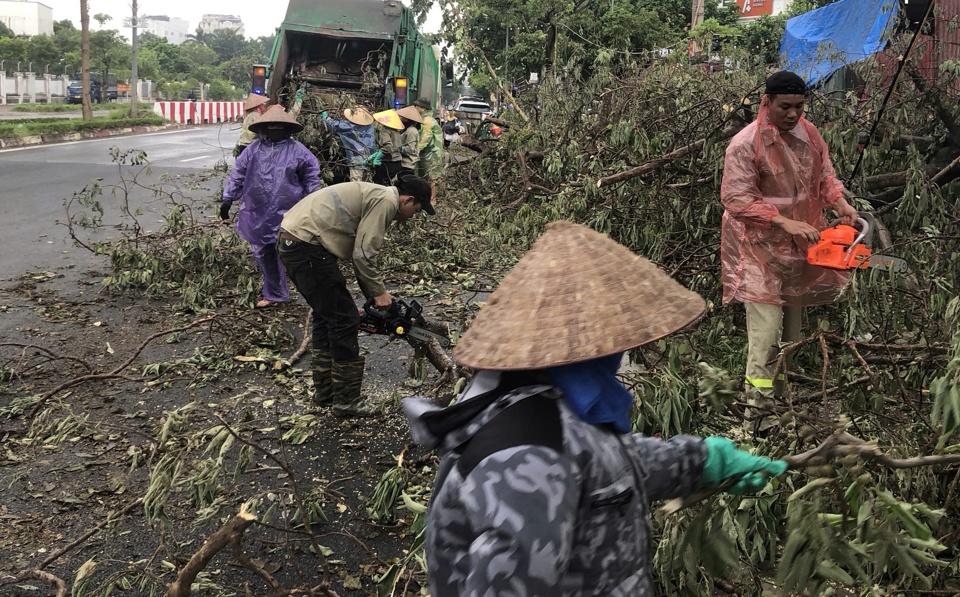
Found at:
<point>830,571</point>
<point>913,526</point>
<point>812,485</point>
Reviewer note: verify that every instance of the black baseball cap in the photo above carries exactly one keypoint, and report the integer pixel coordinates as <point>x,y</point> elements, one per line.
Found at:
<point>418,188</point>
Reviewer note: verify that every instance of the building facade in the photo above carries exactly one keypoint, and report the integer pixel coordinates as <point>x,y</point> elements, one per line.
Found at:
<point>173,29</point>
<point>211,23</point>
<point>25,17</point>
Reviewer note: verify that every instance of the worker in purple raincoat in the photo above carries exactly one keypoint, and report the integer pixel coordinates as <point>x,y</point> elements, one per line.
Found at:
<point>270,177</point>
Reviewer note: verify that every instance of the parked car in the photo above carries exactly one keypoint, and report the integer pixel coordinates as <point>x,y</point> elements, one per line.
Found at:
<point>471,111</point>
<point>75,92</point>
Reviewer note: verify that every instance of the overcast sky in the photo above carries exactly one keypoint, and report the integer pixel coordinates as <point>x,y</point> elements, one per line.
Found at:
<point>259,18</point>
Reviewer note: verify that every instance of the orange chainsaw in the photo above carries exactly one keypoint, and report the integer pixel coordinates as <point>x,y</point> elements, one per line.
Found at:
<point>844,247</point>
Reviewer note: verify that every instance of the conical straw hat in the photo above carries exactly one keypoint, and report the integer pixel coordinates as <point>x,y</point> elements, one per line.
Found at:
<point>358,116</point>
<point>390,119</point>
<point>277,115</point>
<point>254,100</point>
<point>576,295</point>
<point>410,113</point>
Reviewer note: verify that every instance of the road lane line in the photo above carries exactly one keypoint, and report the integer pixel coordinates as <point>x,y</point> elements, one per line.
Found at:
<point>111,138</point>
<point>203,157</point>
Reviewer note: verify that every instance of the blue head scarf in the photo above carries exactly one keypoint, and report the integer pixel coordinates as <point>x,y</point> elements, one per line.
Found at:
<point>591,388</point>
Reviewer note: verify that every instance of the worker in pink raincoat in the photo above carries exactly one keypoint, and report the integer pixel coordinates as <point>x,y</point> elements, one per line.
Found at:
<point>777,181</point>
<point>270,177</point>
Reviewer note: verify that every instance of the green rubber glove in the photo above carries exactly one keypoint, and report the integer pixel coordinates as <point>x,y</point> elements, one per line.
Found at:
<point>725,460</point>
<point>323,115</point>
<point>375,159</point>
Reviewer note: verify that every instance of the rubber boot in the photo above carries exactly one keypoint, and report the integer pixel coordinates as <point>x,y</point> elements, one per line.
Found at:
<point>322,368</point>
<point>347,383</point>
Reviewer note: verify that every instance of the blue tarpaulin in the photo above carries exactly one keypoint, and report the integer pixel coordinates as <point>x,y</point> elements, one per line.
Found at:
<point>817,43</point>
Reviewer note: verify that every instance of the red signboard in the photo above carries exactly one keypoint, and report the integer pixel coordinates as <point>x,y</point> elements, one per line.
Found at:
<point>755,8</point>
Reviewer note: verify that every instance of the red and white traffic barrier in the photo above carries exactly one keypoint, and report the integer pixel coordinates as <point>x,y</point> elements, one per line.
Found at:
<point>199,112</point>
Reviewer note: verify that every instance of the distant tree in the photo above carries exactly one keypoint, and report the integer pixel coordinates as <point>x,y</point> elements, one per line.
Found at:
<point>238,70</point>
<point>64,25</point>
<point>107,49</point>
<point>6,31</point>
<point>263,47</point>
<point>518,38</point>
<point>171,63</point>
<point>227,43</point>
<point>13,50</point>
<point>201,61</point>
<point>148,64</point>
<point>199,35</point>
<point>42,50</point>
<point>66,36</point>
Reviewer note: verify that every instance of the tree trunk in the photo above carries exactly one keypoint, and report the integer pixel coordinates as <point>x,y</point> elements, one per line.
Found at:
<point>85,58</point>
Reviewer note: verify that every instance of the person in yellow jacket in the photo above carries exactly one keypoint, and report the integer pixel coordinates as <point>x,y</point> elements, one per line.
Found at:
<point>387,163</point>
<point>431,147</point>
<point>410,139</point>
<point>253,107</point>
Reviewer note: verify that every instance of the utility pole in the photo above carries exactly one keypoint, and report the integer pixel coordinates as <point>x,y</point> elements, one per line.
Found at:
<point>506,81</point>
<point>134,101</point>
<point>697,19</point>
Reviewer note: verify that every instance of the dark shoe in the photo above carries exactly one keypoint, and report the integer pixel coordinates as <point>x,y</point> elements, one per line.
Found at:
<point>322,369</point>
<point>347,383</point>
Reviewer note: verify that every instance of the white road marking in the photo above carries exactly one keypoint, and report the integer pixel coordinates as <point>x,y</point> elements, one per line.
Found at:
<point>109,138</point>
<point>203,157</point>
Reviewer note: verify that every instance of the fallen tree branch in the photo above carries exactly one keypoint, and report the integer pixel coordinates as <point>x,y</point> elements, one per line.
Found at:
<point>229,533</point>
<point>651,165</point>
<point>116,372</point>
<point>47,352</point>
<point>836,446</point>
<point>46,577</point>
<point>305,343</point>
<point>110,519</point>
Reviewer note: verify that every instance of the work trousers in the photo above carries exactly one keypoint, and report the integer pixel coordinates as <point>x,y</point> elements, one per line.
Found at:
<point>767,327</point>
<point>275,287</point>
<point>358,174</point>
<point>386,172</point>
<point>317,276</point>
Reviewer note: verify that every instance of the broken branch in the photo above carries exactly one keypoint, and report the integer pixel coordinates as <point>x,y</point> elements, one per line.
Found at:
<point>227,534</point>
<point>651,165</point>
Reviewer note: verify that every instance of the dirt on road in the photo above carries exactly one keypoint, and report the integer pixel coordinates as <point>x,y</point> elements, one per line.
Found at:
<point>119,477</point>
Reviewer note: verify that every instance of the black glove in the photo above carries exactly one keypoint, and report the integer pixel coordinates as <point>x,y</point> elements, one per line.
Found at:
<point>225,210</point>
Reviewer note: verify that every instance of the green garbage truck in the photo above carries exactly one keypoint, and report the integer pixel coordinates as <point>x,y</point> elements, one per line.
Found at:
<point>368,49</point>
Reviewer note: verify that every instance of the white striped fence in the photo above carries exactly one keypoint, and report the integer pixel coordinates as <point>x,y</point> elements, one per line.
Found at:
<point>199,112</point>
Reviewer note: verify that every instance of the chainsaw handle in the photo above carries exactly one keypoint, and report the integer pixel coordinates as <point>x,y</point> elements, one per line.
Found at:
<point>371,305</point>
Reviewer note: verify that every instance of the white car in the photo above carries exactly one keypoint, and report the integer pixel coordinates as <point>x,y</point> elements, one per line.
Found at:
<point>472,111</point>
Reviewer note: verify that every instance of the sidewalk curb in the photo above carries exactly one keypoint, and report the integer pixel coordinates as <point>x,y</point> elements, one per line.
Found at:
<point>11,142</point>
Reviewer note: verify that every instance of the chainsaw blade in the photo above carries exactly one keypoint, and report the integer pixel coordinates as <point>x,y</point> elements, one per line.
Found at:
<point>895,264</point>
<point>426,336</point>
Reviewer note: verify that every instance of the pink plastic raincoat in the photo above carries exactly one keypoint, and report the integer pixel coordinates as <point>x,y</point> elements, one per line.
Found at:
<point>768,173</point>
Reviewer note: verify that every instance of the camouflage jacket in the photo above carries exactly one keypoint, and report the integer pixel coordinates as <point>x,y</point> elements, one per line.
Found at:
<point>530,500</point>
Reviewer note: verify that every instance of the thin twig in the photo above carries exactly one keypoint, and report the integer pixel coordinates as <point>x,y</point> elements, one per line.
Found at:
<point>46,577</point>
<point>110,519</point>
<point>116,372</point>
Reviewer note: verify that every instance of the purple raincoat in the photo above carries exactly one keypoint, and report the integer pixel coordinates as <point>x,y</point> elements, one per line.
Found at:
<point>268,179</point>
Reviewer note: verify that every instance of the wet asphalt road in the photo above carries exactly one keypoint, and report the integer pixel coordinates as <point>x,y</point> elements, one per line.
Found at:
<point>35,181</point>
